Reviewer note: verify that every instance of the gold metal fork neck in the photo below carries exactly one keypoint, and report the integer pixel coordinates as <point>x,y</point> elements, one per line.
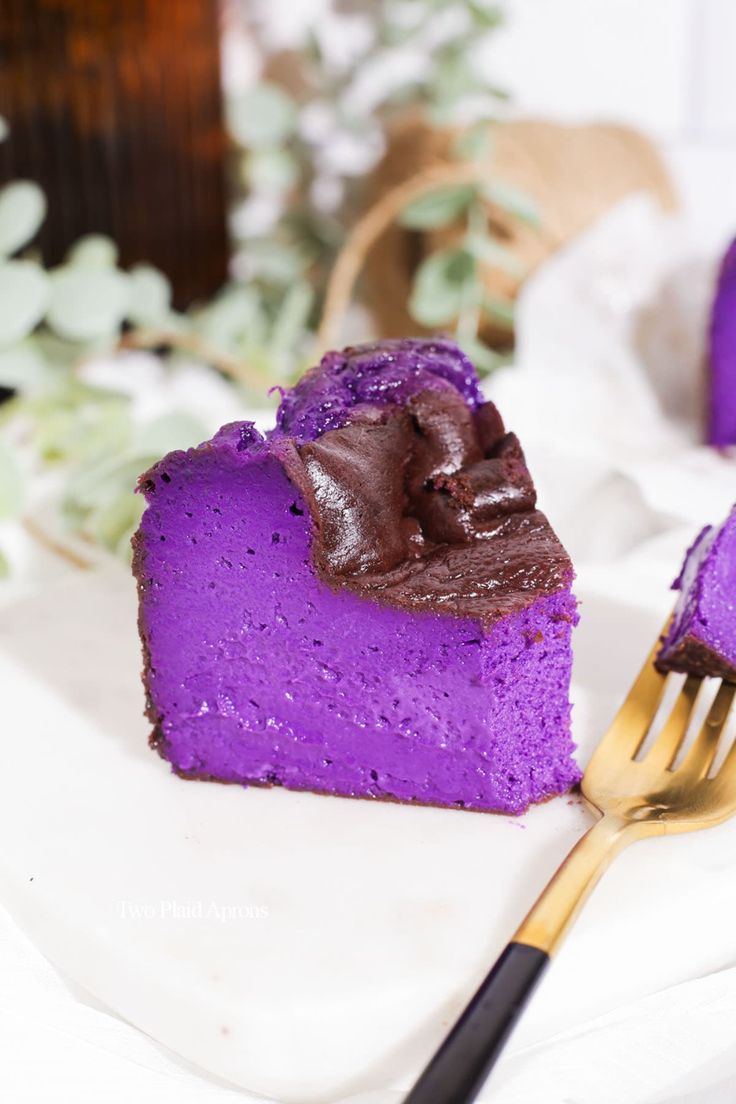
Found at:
<point>639,795</point>
<point>549,920</point>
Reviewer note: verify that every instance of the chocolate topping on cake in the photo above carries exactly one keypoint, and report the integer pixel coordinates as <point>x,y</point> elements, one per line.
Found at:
<point>429,505</point>
<point>357,476</point>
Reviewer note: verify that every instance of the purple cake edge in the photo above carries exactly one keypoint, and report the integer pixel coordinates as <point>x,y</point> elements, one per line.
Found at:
<point>692,644</point>
<point>721,429</point>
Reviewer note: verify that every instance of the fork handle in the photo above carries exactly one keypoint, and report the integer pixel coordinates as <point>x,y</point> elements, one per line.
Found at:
<point>550,917</point>
<point>457,1072</point>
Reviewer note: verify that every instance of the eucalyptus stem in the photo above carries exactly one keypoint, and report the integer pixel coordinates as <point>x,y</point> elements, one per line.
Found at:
<point>468,322</point>
<point>469,318</point>
<point>368,230</point>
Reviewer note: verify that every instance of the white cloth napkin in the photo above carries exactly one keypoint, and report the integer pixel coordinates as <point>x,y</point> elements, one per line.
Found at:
<point>608,390</point>
<point>56,1044</point>
<point>676,1047</point>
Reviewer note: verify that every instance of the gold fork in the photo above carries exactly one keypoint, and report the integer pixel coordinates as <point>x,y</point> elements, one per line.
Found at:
<point>638,792</point>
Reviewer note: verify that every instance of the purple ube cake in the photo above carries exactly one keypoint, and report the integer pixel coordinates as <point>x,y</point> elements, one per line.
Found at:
<point>702,637</point>
<point>366,601</point>
<point>722,356</point>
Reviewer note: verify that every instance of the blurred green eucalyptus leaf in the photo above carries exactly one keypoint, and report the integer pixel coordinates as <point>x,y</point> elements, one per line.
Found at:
<point>113,522</point>
<point>291,320</point>
<point>486,16</point>
<point>485,359</point>
<point>93,251</point>
<point>101,501</point>
<point>224,321</point>
<point>474,143</point>
<point>59,353</point>
<point>499,310</point>
<point>24,367</point>
<point>261,117</point>
<point>175,430</point>
<point>513,200</point>
<point>269,170</point>
<point>454,78</point>
<point>275,262</point>
<point>22,210</point>
<point>397,34</point>
<point>92,488</point>
<point>73,421</point>
<point>87,304</point>
<point>439,207</point>
<point>150,296</point>
<point>443,285</point>
<point>489,252</point>
<point>24,294</point>
<point>12,483</point>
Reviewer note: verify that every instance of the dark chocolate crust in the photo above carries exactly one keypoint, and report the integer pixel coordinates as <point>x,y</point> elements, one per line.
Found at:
<point>692,657</point>
<point>430,507</point>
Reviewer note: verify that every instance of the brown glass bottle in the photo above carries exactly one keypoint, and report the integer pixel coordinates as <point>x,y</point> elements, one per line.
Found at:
<point>115,108</point>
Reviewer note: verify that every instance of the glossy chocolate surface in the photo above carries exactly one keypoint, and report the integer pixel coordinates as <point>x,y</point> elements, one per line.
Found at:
<point>429,506</point>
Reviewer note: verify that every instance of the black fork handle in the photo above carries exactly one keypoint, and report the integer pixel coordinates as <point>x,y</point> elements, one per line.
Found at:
<point>457,1072</point>
<point>461,1065</point>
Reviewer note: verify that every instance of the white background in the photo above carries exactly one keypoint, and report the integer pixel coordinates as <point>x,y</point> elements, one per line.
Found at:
<point>664,66</point>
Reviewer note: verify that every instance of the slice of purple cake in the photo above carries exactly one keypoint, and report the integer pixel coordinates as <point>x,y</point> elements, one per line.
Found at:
<point>366,601</point>
<point>722,356</point>
<point>702,637</point>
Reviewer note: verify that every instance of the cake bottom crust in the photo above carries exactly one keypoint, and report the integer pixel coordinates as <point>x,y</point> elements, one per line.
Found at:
<point>691,656</point>
<point>194,776</point>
